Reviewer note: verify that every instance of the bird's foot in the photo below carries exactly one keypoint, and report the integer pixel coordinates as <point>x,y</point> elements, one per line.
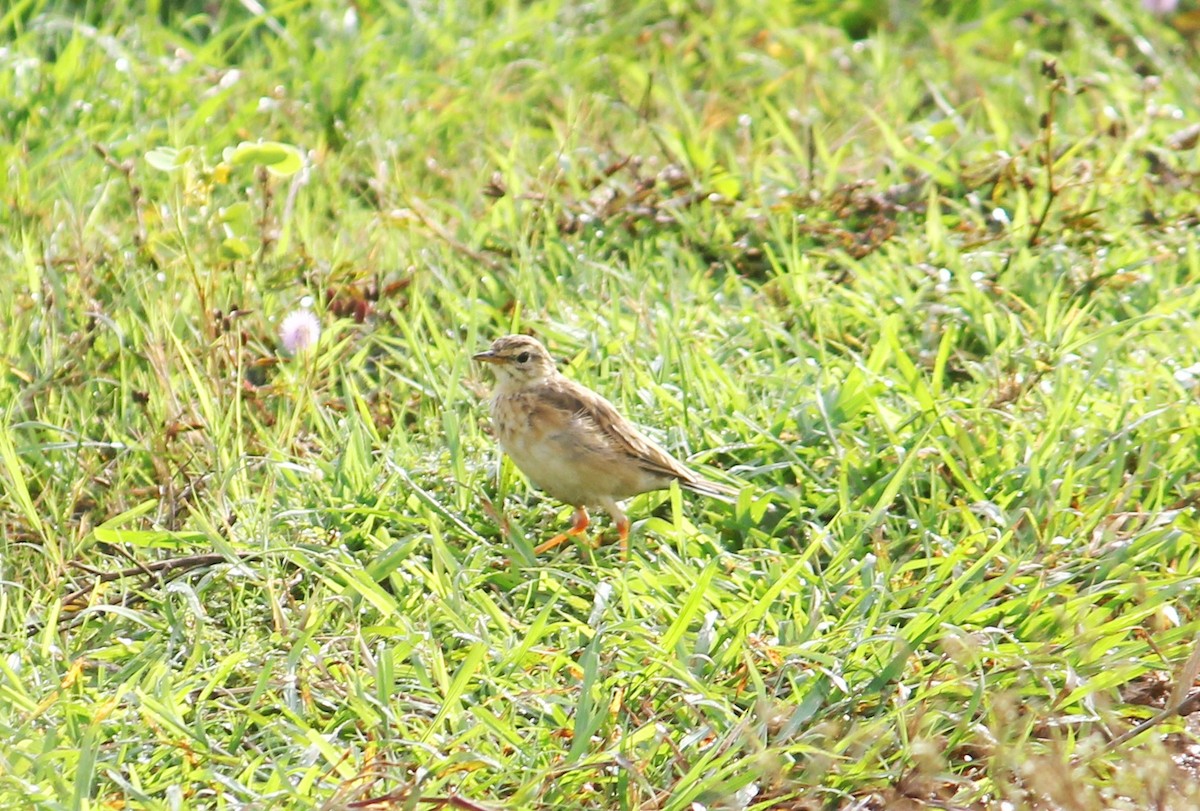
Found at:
<point>577,528</point>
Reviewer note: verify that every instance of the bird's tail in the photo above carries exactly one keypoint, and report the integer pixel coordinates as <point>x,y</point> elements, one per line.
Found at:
<point>705,487</point>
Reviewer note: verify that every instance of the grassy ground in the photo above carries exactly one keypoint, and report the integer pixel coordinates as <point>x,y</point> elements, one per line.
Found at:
<point>926,283</point>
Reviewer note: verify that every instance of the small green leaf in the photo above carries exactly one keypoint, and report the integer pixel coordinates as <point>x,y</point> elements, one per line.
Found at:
<point>238,216</point>
<point>280,159</point>
<point>168,159</point>
<point>235,248</point>
<point>450,701</point>
<point>944,129</point>
<point>111,531</point>
<point>590,712</point>
<point>726,184</point>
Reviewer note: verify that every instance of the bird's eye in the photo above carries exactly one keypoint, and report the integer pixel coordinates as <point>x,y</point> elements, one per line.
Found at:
<point>523,357</point>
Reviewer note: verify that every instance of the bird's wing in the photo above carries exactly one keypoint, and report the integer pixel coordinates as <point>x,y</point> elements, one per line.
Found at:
<point>615,431</point>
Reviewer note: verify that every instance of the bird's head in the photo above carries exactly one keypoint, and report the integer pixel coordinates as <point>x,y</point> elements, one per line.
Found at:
<point>518,360</point>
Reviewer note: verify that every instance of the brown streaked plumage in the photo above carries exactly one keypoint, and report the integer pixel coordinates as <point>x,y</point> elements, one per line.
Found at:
<point>572,443</point>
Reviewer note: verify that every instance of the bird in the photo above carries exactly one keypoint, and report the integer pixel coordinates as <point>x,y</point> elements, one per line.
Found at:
<point>572,443</point>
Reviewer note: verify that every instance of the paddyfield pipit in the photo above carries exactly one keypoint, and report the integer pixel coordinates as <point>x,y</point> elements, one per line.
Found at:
<point>572,443</point>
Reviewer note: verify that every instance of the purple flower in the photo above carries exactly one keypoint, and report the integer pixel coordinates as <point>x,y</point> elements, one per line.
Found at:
<point>299,331</point>
<point>1160,7</point>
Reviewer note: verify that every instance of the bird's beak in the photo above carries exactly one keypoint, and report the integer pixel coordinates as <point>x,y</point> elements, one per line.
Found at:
<point>487,357</point>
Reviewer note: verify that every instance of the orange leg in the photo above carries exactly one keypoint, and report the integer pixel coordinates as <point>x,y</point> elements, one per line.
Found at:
<point>579,525</point>
<point>621,520</point>
<point>623,536</point>
<point>623,529</point>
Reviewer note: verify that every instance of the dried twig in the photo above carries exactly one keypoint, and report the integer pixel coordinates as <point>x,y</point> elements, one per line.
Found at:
<point>402,795</point>
<point>441,232</point>
<point>125,168</point>
<point>1053,189</point>
<point>1183,702</point>
<point>148,570</point>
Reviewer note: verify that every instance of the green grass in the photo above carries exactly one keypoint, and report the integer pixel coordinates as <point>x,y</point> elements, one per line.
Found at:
<point>929,295</point>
